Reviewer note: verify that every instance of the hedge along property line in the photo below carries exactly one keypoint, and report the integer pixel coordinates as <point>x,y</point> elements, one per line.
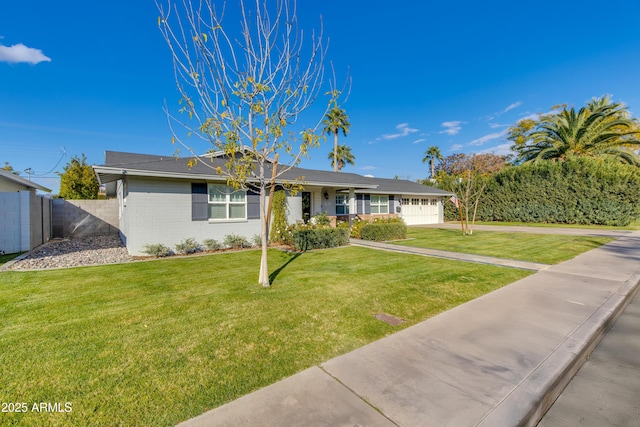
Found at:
<point>320,238</point>
<point>381,231</point>
<point>575,191</point>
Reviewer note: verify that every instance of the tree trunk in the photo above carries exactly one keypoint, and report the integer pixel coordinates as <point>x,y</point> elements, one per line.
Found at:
<point>263,278</point>
<point>335,151</point>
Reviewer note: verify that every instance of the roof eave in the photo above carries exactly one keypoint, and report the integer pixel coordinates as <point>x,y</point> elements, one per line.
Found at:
<point>108,174</point>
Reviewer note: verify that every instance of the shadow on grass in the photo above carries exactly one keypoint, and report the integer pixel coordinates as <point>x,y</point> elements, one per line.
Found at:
<point>272,276</point>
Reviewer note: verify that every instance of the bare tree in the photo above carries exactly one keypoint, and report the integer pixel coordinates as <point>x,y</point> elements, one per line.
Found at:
<point>241,86</point>
<point>468,176</point>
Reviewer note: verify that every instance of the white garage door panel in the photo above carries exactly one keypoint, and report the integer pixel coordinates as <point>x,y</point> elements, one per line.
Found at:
<point>420,211</point>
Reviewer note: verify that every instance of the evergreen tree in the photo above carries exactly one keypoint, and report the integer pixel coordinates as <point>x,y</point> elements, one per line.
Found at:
<point>78,180</point>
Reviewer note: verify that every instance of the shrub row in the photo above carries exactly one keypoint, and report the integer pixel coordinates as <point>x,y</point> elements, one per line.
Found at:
<point>306,238</point>
<point>379,232</point>
<point>576,191</point>
<point>190,245</point>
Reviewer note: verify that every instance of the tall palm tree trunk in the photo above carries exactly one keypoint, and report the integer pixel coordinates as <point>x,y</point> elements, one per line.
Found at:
<point>335,151</point>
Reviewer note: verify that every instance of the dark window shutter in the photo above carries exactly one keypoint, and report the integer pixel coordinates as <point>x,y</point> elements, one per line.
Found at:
<point>367,204</point>
<point>199,201</point>
<point>359,204</point>
<point>391,204</point>
<point>253,205</point>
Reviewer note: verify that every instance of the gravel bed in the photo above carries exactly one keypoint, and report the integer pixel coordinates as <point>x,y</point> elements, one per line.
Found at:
<point>75,252</point>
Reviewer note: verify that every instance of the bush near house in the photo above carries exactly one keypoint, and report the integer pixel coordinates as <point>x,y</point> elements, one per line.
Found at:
<point>156,250</point>
<point>309,237</point>
<point>187,246</point>
<point>381,231</point>
<point>235,241</point>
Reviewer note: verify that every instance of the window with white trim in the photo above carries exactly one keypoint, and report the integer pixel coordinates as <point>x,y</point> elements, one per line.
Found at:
<point>379,204</point>
<point>342,204</point>
<point>227,203</point>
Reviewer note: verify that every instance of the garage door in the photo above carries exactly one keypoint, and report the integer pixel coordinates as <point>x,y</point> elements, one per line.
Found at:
<point>416,211</point>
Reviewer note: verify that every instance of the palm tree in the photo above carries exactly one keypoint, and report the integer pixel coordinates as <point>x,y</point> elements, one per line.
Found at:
<point>601,129</point>
<point>340,157</point>
<point>335,121</point>
<point>430,156</point>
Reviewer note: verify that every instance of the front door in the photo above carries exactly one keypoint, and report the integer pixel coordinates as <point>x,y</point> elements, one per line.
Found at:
<point>306,206</point>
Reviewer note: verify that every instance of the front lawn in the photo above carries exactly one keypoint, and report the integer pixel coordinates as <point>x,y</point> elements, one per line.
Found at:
<point>156,343</point>
<point>542,248</point>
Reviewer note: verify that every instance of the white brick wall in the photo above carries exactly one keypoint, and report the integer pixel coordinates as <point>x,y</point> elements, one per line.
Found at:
<point>21,222</point>
<point>10,208</point>
<point>159,211</point>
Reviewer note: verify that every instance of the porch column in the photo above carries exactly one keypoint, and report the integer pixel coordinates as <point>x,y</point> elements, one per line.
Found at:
<point>353,209</point>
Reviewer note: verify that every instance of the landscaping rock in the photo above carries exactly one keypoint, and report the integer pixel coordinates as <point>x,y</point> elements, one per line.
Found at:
<point>66,253</point>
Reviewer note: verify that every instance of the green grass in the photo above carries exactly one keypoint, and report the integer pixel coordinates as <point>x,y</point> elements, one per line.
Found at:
<point>634,225</point>
<point>8,257</point>
<point>542,248</point>
<point>156,343</point>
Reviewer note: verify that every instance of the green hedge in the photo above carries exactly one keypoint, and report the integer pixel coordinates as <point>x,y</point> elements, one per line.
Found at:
<point>317,238</point>
<point>575,191</point>
<point>381,231</point>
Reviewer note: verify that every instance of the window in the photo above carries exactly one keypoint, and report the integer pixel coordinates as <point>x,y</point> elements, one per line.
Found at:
<point>405,201</point>
<point>226,203</point>
<point>415,202</point>
<point>433,202</point>
<point>342,207</point>
<point>379,204</point>
<point>424,202</point>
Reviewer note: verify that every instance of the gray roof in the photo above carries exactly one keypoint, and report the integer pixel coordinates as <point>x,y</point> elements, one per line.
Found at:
<point>21,181</point>
<point>118,164</point>
<point>403,186</point>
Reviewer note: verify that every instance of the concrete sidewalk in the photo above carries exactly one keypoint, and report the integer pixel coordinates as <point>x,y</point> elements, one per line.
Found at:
<point>481,259</point>
<point>568,231</point>
<point>499,360</point>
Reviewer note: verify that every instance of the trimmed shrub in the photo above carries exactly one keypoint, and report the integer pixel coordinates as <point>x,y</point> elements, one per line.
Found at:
<point>256,240</point>
<point>356,228</point>
<point>235,241</point>
<point>211,244</point>
<point>321,219</point>
<point>279,223</point>
<point>381,231</point>
<point>187,246</point>
<point>306,238</point>
<point>576,191</point>
<point>157,250</point>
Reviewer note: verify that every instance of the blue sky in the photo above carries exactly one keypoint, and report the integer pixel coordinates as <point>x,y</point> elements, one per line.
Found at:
<point>84,77</point>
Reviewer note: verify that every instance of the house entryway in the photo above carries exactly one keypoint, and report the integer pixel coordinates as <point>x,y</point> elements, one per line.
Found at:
<point>306,206</point>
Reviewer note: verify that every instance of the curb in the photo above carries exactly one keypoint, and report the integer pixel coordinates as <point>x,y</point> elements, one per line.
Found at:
<point>533,397</point>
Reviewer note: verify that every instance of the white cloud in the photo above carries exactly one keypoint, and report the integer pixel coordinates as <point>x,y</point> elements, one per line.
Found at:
<point>534,116</point>
<point>499,150</point>
<point>21,53</point>
<point>512,106</point>
<point>455,147</point>
<point>368,168</point>
<point>452,127</point>
<point>490,137</point>
<point>418,141</point>
<point>369,176</point>
<point>403,130</point>
<point>497,125</point>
